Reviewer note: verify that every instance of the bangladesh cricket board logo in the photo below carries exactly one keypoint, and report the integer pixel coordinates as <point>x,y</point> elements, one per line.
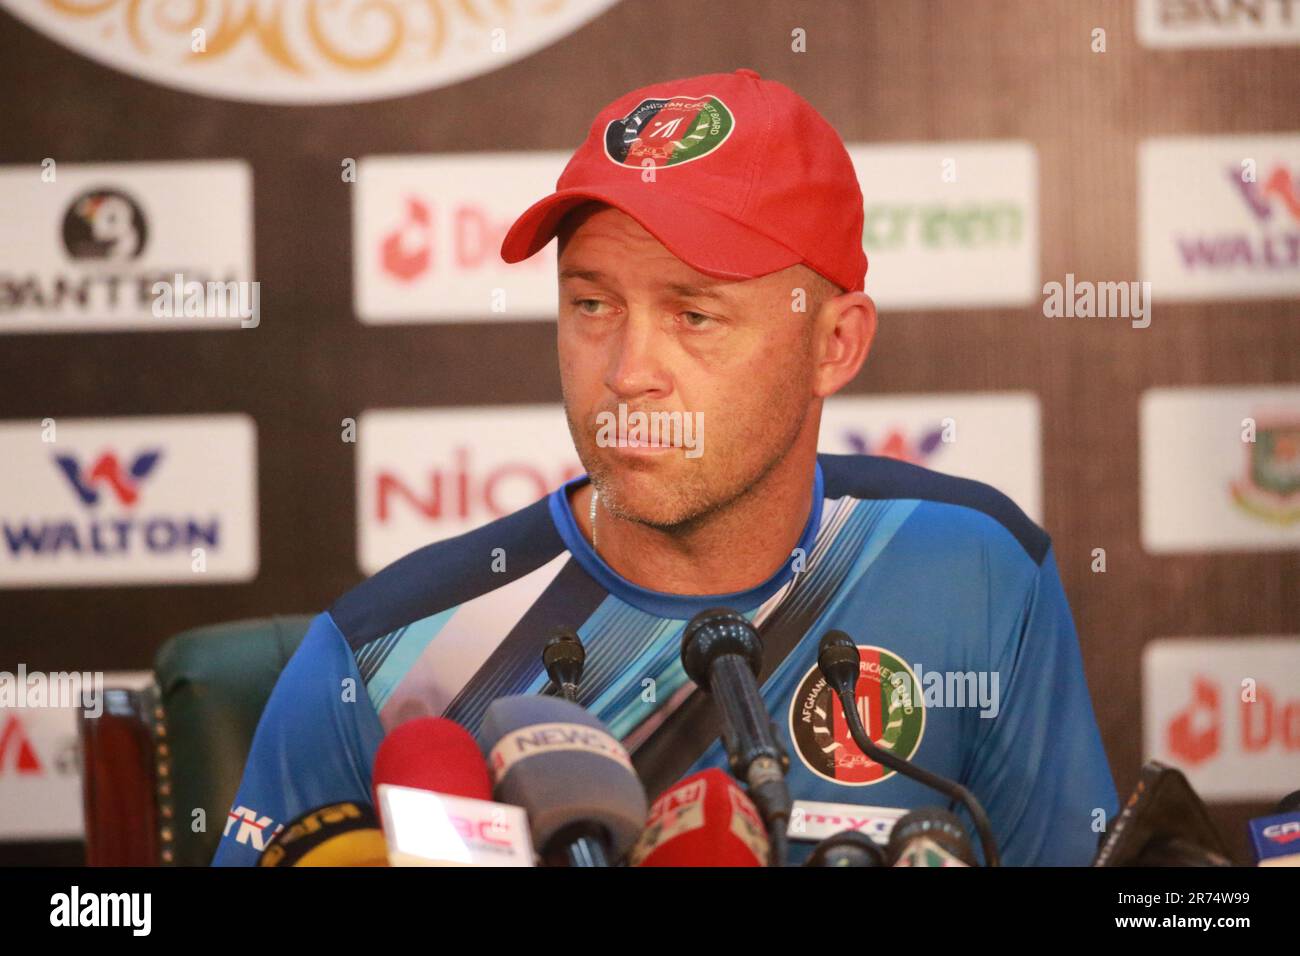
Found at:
<point>668,131</point>
<point>893,715</point>
<point>1270,488</point>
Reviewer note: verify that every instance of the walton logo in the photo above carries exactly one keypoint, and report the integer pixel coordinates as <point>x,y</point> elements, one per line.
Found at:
<point>897,445</point>
<point>1277,192</point>
<point>106,470</point>
<point>1275,247</point>
<point>1193,735</point>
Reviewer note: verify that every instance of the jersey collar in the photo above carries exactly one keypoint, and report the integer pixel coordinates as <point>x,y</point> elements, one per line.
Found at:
<point>662,603</point>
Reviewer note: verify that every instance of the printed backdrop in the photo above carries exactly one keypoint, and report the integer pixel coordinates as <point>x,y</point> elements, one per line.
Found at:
<point>361,163</point>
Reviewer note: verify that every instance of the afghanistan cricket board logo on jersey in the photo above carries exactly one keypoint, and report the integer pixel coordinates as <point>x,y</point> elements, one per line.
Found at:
<point>668,131</point>
<point>1270,488</point>
<point>892,713</point>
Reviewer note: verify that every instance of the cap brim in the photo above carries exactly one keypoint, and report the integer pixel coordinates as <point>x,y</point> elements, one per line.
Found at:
<point>705,239</point>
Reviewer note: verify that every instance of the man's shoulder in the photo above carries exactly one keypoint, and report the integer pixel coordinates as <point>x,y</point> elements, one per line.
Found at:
<point>445,574</point>
<point>958,510</point>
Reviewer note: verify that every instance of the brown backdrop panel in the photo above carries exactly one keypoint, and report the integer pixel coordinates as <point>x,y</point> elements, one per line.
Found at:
<point>880,72</point>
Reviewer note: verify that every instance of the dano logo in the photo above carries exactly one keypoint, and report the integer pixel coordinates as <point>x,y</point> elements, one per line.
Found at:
<point>892,714</point>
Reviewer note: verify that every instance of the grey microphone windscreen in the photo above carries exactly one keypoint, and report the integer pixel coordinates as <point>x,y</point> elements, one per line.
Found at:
<point>561,765</point>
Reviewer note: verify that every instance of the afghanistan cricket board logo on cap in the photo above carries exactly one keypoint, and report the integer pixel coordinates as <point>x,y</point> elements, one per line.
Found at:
<point>668,131</point>
<point>1270,488</point>
<point>892,713</point>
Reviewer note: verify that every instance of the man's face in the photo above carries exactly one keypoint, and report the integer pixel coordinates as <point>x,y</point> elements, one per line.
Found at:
<point>639,327</point>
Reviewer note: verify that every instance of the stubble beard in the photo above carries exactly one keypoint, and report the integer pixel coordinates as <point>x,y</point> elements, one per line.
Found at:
<point>695,492</point>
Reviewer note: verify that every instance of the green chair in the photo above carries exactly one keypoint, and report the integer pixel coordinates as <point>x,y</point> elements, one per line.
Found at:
<point>154,758</point>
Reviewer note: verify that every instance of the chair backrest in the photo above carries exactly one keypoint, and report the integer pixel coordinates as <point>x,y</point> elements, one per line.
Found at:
<point>212,684</point>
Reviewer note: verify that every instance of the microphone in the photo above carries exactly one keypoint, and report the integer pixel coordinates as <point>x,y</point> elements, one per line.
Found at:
<point>338,834</point>
<point>584,801</point>
<point>1164,823</point>
<point>722,653</point>
<point>432,753</point>
<point>930,837</point>
<point>433,792</point>
<point>704,820</point>
<point>563,657</point>
<point>840,663</point>
<point>1275,839</point>
<point>847,848</point>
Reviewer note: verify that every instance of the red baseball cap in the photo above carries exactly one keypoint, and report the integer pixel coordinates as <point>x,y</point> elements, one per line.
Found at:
<point>747,179</point>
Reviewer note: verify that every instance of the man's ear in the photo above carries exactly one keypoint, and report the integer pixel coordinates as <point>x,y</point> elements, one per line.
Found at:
<point>846,327</point>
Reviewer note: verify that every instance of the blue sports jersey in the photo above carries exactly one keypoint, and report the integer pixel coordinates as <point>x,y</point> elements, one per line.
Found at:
<point>971,666</point>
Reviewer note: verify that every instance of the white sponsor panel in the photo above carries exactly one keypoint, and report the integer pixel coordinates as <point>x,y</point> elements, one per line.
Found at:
<point>139,500</point>
<point>1210,23</point>
<point>427,234</point>
<point>84,251</point>
<point>423,828</point>
<point>1226,712</point>
<point>306,51</point>
<point>1206,485</point>
<point>1219,216</point>
<point>991,437</point>
<point>428,474</point>
<point>40,768</point>
<point>950,225</point>
<point>812,821</point>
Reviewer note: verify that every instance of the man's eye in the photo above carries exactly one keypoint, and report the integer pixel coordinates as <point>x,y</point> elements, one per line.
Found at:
<point>582,306</point>
<point>696,319</point>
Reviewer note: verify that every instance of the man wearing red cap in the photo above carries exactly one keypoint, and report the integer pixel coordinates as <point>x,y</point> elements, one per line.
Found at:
<point>711,273</point>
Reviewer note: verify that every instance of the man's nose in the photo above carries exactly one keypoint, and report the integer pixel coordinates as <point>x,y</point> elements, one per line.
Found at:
<point>636,365</point>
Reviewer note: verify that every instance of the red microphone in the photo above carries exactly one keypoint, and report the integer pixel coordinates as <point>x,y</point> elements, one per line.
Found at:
<point>439,810</point>
<point>705,820</point>
<point>432,753</point>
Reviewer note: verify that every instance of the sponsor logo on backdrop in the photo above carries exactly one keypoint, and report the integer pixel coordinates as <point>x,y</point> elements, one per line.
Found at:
<point>892,714</point>
<point>1225,711</point>
<point>1220,469</point>
<point>306,51</point>
<point>913,448</point>
<point>40,764</point>
<point>129,501</point>
<point>990,437</point>
<point>950,225</point>
<point>427,234</point>
<point>406,251</point>
<point>85,251</point>
<point>1270,485</point>
<point>1207,23</point>
<point>104,224</point>
<point>1241,237</point>
<point>668,131</point>
<point>424,475</point>
<point>40,788</point>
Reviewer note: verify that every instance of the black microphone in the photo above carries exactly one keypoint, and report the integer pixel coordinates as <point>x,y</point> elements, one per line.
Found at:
<point>563,657</point>
<point>847,848</point>
<point>721,652</point>
<point>840,663</point>
<point>1163,823</point>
